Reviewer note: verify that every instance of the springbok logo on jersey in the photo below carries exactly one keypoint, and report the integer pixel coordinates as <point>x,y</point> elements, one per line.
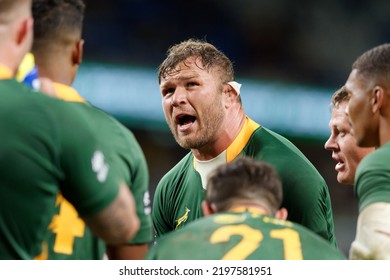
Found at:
<point>182,219</point>
<point>99,166</point>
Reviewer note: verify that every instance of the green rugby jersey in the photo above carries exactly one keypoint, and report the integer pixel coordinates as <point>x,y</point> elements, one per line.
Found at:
<point>372,179</point>
<point>243,235</point>
<point>68,237</point>
<point>48,146</point>
<point>178,197</point>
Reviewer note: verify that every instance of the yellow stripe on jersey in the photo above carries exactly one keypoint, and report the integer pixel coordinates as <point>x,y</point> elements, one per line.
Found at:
<point>66,225</point>
<point>241,140</point>
<point>5,73</point>
<point>67,93</point>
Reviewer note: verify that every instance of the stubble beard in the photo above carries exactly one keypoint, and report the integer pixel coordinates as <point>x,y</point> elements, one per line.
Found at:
<point>208,127</point>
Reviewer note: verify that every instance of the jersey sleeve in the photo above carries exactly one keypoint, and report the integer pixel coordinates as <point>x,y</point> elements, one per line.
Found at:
<point>161,210</point>
<point>313,207</point>
<point>139,186</point>
<point>372,181</point>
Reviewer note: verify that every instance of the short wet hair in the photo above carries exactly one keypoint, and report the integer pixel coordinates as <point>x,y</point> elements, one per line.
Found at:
<point>244,179</point>
<point>340,96</point>
<point>374,63</point>
<point>53,19</point>
<point>209,55</point>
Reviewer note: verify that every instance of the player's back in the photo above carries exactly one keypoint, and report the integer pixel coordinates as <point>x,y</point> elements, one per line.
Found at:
<point>46,144</point>
<point>130,165</point>
<point>243,235</point>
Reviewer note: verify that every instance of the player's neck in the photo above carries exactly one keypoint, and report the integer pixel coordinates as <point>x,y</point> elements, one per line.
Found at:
<point>384,131</point>
<point>9,60</point>
<point>231,127</point>
<point>56,70</point>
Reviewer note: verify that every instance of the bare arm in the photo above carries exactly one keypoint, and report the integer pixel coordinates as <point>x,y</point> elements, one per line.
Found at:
<point>127,252</point>
<point>118,222</point>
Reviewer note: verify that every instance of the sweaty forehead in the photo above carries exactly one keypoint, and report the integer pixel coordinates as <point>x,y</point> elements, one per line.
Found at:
<point>180,74</point>
<point>194,63</point>
<point>185,70</point>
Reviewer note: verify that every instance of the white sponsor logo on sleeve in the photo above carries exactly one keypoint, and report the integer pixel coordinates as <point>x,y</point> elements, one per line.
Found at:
<point>99,166</point>
<point>147,203</point>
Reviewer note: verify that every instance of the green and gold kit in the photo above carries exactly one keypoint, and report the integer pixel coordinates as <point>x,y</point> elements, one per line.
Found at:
<point>243,234</point>
<point>179,194</point>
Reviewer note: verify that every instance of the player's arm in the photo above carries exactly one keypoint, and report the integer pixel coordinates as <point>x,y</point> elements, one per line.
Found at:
<point>118,222</point>
<point>135,168</point>
<point>127,252</point>
<point>137,249</point>
<point>372,239</point>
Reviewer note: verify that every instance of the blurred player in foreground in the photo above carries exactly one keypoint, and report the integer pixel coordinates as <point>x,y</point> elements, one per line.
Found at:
<point>58,51</point>
<point>49,146</point>
<point>369,111</point>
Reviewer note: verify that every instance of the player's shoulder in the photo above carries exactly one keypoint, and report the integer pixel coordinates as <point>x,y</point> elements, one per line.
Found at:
<point>52,108</point>
<point>267,139</point>
<point>96,118</point>
<point>309,236</point>
<point>179,170</point>
<point>377,160</point>
<point>279,151</point>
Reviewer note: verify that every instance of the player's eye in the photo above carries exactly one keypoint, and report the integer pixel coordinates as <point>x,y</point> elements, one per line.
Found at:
<point>168,91</point>
<point>192,84</point>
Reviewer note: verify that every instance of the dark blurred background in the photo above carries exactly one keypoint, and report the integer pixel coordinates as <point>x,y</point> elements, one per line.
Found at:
<point>310,43</point>
<point>306,41</point>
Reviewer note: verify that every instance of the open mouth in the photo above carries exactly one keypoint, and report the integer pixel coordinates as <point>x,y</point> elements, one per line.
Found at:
<point>339,165</point>
<point>185,121</point>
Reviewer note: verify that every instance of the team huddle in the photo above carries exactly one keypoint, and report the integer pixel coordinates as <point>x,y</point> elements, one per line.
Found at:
<point>242,191</point>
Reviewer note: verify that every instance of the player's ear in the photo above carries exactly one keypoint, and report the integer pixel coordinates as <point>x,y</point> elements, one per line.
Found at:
<point>24,31</point>
<point>377,98</point>
<point>281,214</point>
<point>78,50</point>
<point>207,209</point>
<point>228,95</point>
